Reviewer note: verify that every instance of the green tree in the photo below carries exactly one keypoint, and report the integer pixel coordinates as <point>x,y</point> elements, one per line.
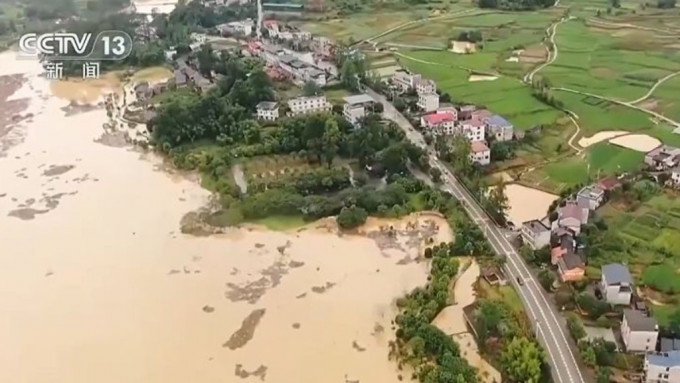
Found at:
<point>351,217</point>
<point>436,174</point>
<point>521,361</point>
<point>490,315</point>
<point>496,203</point>
<point>206,60</point>
<point>394,158</point>
<point>311,89</point>
<point>330,140</point>
<point>575,327</point>
<point>603,375</point>
<point>546,278</point>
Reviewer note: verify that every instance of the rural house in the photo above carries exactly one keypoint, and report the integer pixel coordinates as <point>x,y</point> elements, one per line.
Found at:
<point>425,86</point>
<point>466,112</point>
<point>609,184</point>
<point>474,129</point>
<point>304,105</point>
<point>480,153</point>
<point>572,216</point>
<point>439,123</point>
<point>675,175</point>
<point>567,256</point>
<point>535,234</point>
<point>405,80</point>
<point>428,102</point>
<point>592,196</point>
<point>355,107</point>
<point>662,367</point>
<point>639,331</point>
<point>267,110</point>
<point>500,128</point>
<point>663,158</point>
<point>616,284</point>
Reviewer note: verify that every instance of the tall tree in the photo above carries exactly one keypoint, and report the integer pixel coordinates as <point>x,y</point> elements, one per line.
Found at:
<point>522,361</point>
<point>331,140</point>
<point>206,60</point>
<point>311,89</point>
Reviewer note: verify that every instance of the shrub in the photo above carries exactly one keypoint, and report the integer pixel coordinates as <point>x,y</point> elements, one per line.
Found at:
<point>351,217</point>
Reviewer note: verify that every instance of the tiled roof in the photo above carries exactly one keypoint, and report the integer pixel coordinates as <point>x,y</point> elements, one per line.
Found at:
<point>478,146</point>
<point>638,321</point>
<point>616,273</point>
<point>438,118</point>
<point>498,121</point>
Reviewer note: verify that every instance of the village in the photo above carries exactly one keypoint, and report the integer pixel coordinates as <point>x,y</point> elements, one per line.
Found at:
<point>295,56</point>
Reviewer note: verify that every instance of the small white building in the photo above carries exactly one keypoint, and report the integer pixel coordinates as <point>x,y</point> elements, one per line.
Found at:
<point>439,123</point>
<point>592,195</point>
<point>426,86</point>
<point>474,129</point>
<point>267,111</point>
<point>535,234</point>
<point>500,128</point>
<point>639,331</point>
<point>244,27</point>
<point>663,367</point>
<point>355,107</point>
<point>305,105</point>
<point>405,80</point>
<point>480,153</point>
<point>616,284</point>
<point>675,175</point>
<point>428,102</point>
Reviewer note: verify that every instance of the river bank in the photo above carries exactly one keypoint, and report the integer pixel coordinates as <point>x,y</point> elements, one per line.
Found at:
<point>98,283</point>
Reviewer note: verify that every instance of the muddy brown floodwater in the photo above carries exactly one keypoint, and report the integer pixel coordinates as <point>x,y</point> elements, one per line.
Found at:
<point>98,284</point>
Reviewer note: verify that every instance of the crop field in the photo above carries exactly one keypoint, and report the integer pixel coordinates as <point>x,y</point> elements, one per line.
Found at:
<point>505,96</point>
<point>267,167</point>
<point>598,160</point>
<point>623,64</point>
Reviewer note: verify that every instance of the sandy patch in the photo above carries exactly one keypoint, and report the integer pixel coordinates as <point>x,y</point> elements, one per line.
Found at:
<point>533,54</point>
<point>640,142</point>
<point>649,104</point>
<point>91,91</point>
<point>513,59</point>
<point>477,77</point>
<point>599,137</point>
<point>526,203</point>
<point>452,322</point>
<point>463,47</point>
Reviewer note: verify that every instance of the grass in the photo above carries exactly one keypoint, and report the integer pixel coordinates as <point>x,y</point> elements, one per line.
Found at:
<point>505,96</point>
<point>281,222</point>
<point>662,313</point>
<point>502,293</point>
<point>662,278</point>
<point>600,159</point>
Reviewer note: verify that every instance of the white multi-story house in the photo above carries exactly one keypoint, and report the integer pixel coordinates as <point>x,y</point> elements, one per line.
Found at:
<point>639,331</point>
<point>428,102</point>
<point>536,234</point>
<point>304,105</point>
<point>480,153</point>
<point>424,85</point>
<point>355,107</point>
<point>244,27</point>
<point>593,195</point>
<point>662,367</point>
<point>405,80</point>
<point>267,111</point>
<point>500,128</point>
<point>439,123</point>
<point>675,175</point>
<point>616,284</point>
<point>474,129</point>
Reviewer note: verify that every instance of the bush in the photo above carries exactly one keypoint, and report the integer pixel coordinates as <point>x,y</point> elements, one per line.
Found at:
<point>603,321</point>
<point>575,327</point>
<point>351,217</point>
<point>546,278</point>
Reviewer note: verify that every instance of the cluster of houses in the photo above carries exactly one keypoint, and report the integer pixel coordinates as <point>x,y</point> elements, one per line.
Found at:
<point>355,107</point>
<point>441,120</point>
<point>665,159</point>
<point>639,331</point>
<point>560,229</point>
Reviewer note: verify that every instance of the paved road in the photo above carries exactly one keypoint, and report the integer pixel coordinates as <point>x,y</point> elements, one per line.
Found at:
<point>549,326</point>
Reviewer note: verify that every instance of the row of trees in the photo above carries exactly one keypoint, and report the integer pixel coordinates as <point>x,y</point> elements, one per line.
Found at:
<point>515,5</point>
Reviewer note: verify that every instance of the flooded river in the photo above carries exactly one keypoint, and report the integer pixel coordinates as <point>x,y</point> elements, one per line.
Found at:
<point>98,285</point>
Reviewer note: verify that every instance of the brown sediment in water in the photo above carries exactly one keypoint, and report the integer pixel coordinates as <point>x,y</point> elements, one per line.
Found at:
<point>125,299</point>
<point>10,110</point>
<point>245,333</point>
<point>55,170</point>
<point>260,372</point>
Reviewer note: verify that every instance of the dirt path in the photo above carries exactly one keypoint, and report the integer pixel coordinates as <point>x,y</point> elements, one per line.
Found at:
<point>633,26</point>
<point>414,46</point>
<point>450,65</point>
<point>409,23</point>
<point>623,103</point>
<point>573,117</point>
<point>552,56</point>
<point>656,85</point>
